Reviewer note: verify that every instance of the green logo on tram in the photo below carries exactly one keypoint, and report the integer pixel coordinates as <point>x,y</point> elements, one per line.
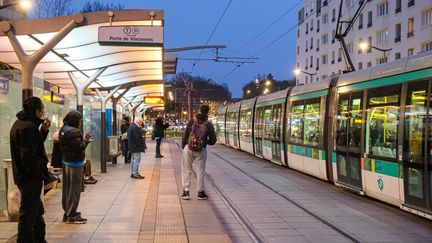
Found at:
<point>380,184</point>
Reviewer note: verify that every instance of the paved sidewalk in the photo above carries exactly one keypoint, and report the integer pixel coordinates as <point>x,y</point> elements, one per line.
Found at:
<point>121,209</point>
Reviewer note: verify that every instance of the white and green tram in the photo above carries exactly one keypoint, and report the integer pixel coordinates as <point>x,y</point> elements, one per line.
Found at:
<point>368,131</point>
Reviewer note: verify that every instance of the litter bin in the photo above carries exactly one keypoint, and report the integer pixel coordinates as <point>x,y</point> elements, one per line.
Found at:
<point>12,193</point>
<point>114,146</point>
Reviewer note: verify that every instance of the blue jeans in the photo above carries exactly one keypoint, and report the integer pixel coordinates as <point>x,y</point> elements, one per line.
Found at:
<point>136,159</point>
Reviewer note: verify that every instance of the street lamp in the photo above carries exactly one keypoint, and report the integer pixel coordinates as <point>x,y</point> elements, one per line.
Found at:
<point>364,46</point>
<point>297,71</point>
<point>266,90</point>
<point>248,91</point>
<point>24,4</point>
<point>268,83</point>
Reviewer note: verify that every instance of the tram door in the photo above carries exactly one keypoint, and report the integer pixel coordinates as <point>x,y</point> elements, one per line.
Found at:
<point>348,138</point>
<point>276,140</point>
<point>417,149</point>
<point>259,131</point>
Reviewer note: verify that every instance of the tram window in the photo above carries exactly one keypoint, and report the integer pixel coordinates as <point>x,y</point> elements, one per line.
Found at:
<point>342,120</point>
<point>269,124</point>
<point>382,121</point>
<point>415,117</point>
<point>355,124</point>
<point>277,113</point>
<point>221,123</point>
<point>312,122</point>
<point>296,122</point>
<point>245,123</point>
<point>259,122</point>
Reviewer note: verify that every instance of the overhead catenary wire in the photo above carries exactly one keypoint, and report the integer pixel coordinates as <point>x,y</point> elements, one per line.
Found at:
<point>211,35</point>
<point>275,40</point>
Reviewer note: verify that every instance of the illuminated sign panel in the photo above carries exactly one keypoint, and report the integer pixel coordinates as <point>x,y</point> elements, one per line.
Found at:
<point>154,100</point>
<point>134,35</point>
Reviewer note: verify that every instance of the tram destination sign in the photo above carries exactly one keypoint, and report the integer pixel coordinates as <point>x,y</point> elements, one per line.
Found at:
<point>133,35</point>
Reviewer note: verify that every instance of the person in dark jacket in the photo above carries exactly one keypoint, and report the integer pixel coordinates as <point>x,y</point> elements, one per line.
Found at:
<point>29,161</point>
<point>56,161</point>
<point>205,131</point>
<point>125,147</point>
<point>158,134</point>
<point>72,146</point>
<point>136,146</point>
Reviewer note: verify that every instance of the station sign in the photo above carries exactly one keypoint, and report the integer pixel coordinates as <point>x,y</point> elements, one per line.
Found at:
<point>57,98</point>
<point>4,85</point>
<point>132,35</point>
<point>154,100</point>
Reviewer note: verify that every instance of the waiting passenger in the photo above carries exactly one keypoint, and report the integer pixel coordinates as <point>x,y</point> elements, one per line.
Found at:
<point>198,134</point>
<point>125,148</point>
<point>158,134</point>
<point>136,146</point>
<point>72,146</point>
<point>56,161</point>
<point>29,164</point>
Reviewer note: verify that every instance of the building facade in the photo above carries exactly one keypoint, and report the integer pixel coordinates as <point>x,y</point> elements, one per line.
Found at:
<point>404,26</point>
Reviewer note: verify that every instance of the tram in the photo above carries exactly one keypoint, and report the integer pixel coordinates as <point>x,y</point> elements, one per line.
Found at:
<point>368,131</point>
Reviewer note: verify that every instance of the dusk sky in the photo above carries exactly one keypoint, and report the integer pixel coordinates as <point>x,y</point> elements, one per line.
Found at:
<point>191,22</point>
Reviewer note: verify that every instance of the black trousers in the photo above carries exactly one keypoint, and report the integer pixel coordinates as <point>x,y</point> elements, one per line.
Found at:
<point>31,224</point>
<point>158,144</point>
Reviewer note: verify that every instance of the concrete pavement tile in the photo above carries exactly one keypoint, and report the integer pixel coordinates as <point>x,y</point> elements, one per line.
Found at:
<point>261,226</point>
<point>237,233</point>
<point>328,239</point>
<point>232,226</point>
<point>209,238</point>
<point>278,232</point>
<point>241,240</point>
<point>285,239</point>
<point>322,232</point>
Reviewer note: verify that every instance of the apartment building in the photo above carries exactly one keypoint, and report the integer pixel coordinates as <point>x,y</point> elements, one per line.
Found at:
<point>404,26</point>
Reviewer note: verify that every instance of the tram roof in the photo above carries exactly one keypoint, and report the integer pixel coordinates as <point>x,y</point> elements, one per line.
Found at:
<point>80,53</point>
<point>406,64</point>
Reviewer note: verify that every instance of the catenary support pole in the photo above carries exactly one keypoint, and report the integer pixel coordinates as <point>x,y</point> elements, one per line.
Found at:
<point>103,126</point>
<point>29,62</point>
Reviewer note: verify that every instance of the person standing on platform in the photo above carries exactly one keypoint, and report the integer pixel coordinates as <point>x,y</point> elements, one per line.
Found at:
<point>124,139</point>
<point>29,161</point>
<point>72,146</point>
<point>198,134</point>
<point>56,153</point>
<point>136,146</point>
<point>158,134</point>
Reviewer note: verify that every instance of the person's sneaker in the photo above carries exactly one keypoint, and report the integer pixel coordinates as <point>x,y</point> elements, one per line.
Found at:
<point>77,220</point>
<point>202,195</point>
<point>185,195</point>
<point>159,156</point>
<point>137,177</point>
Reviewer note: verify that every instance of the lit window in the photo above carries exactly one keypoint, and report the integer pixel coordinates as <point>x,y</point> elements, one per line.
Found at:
<point>382,37</point>
<point>410,51</point>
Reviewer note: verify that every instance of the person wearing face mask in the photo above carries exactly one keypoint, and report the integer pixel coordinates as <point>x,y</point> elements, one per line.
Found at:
<point>72,146</point>
<point>29,163</point>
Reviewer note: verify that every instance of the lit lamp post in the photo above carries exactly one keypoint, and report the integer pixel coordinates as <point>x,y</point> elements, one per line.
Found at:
<point>297,71</point>
<point>364,46</point>
<point>24,4</point>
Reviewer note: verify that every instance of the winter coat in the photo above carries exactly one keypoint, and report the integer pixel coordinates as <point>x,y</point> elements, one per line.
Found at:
<point>124,127</point>
<point>72,144</point>
<point>29,159</point>
<point>135,140</point>
<point>158,129</point>
<point>209,135</point>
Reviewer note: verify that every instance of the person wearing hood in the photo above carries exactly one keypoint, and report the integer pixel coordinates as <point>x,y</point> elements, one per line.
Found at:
<point>29,164</point>
<point>198,134</point>
<point>158,134</point>
<point>124,139</point>
<point>72,146</point>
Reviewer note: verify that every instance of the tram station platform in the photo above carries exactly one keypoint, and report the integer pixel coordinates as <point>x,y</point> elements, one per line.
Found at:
<point>250,200</point>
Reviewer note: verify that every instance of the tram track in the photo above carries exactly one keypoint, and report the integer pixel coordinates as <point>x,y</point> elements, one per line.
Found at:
<point>311,213</point>
<point>253,233</point>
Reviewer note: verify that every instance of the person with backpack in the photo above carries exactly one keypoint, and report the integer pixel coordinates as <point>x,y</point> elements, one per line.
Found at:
<point>198,134</point>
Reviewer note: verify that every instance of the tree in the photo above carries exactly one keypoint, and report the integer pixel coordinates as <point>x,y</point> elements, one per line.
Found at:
<point>53,8</point>
<point>95,6</point>
<point>264,84</point>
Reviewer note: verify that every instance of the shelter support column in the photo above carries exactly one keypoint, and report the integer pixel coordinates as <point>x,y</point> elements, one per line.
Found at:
<point>114,101</point>
<point>80,88</point>
<point>135,108</point>
<point>29,62</point>
<point>103,126</point>
<point>130,103</point>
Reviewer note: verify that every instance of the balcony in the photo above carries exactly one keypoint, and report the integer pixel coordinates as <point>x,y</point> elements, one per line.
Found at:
<point>311,66</point>
<point>306,67</point>
<point>317,30</point>
<point>333,19</point>
<point>307,32</point>
<point>410,34</point>
<point>317,49</point>
<point>325,3</point>
<point>360,26</point>
<point>333,40</point>
<point>311,48</point>
<point>333,62</point>
<point>398,10</point>
<point>317,68</point>
<point>369,25</point>
<point>397,39</point>
<point>306,50</point>
<point>411,3</point>
<point>311,28</point>
<point>339,59</point>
